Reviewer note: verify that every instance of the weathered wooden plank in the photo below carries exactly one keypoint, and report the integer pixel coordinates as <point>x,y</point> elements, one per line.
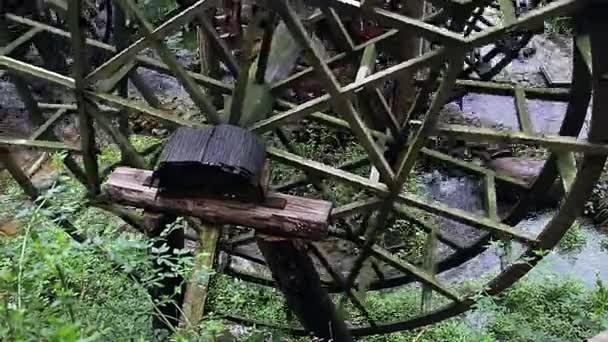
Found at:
<point>39,144</point>
<point>303,179</point>
<point>108,84</point>
<point>583,45</point>
<point>395,71</point>
<point>506,89</point>
<point>296,112</point>
<point>57,106</point>
<point>490,201</point>
<point>142,108</point>
<point>325,170</point>
<point>245,63</point>
<point>301,217</point>
<point>566,166</point>
<point>465,217</point>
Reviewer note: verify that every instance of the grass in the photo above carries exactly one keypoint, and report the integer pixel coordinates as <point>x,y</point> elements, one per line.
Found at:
<point>574,239</point>
<point>71,291</point>
<point>52,288</point>
<point>561,25</point>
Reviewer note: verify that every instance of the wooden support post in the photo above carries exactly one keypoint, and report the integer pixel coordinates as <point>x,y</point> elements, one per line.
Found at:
<point>167,313</point>
<point>298,280</point>
<point>198,286</point>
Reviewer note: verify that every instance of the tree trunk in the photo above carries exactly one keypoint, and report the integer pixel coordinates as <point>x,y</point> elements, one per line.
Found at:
<point>298,280</point>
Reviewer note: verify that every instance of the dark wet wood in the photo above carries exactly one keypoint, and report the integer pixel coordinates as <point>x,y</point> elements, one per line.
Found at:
<point>220,161</point>
<point>298,280</point>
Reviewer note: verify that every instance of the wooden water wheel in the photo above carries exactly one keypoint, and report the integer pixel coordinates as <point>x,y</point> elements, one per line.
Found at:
<point>379,73</point>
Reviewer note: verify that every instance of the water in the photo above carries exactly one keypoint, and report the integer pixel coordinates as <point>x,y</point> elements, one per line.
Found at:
<point>463,192</point>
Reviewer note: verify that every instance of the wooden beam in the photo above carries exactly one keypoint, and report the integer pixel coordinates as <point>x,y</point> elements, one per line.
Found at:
<point>382,190</point>
<point>416,272</point>
<point>408,159</point>
<point>550,141</point>
<point>128,153</point>
<point>342,103</point>
<point>357,207</point>
<point>22,39</point>
<point>474,168</point>
<point>523,115</point>
<point>301,217</point>
<point>44,128</point>
<point>338,30</point>
<point>39,144</point>
<point>201,101</point>
<point>37,72</point>
<point>10,163</point>
<point>508,12</point>
<point>143,61</point>
<point>529,20</point>
<point>152,35</point>
<point>402,22</point>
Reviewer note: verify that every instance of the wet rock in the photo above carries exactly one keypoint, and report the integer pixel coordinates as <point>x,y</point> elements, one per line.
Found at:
<point>45,180</point>
<point>526,170</point>
<point>603,337</point>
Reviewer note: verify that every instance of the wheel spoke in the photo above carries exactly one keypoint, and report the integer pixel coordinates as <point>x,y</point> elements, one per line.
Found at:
<point>338,279</point>
<point>416,272</point>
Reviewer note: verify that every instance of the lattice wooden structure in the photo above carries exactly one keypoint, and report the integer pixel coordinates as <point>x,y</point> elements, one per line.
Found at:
<point>394,137</point>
